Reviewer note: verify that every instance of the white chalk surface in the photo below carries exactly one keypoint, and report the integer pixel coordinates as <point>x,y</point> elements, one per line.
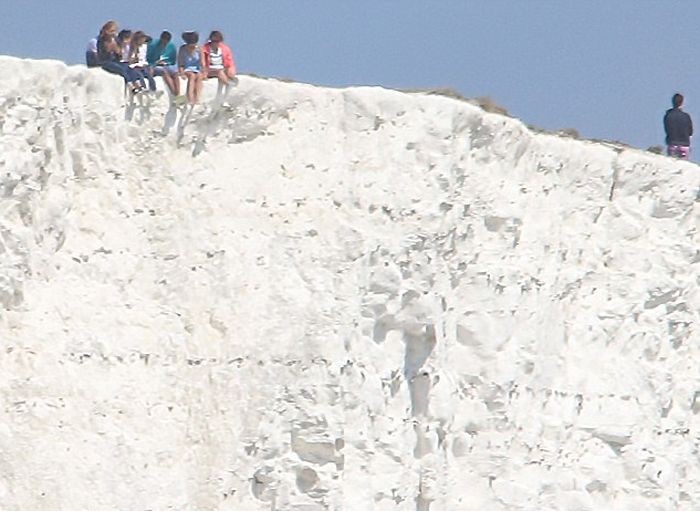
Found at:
<point>300,298</point>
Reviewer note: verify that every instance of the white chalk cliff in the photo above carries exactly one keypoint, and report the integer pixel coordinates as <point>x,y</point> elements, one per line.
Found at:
<point>300,298</point>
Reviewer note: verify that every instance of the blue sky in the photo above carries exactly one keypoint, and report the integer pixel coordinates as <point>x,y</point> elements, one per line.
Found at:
<point>607,68</point>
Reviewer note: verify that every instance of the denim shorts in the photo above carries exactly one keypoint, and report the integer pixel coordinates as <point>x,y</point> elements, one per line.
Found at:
<point>161,70</point>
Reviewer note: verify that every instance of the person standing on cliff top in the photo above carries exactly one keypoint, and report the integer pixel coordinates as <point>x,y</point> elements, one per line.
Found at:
<point>679,129</point>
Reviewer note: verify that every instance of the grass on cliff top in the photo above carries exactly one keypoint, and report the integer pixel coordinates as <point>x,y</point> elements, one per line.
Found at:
<point>488,104</point>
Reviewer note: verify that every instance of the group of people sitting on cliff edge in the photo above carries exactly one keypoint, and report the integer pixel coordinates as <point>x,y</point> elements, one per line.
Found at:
<point>138,58</point>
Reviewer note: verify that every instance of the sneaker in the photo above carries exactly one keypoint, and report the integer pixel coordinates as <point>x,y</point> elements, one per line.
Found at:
<point>180,100</point>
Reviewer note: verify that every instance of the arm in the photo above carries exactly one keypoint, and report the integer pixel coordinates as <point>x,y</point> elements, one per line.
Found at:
<point>181,61</point>
<point>143,55</point>
<point>171,54</point>
<point>133,56</point>
<point>152,53</point>
<point>229,62</point>
<point>107,49</point>
<point>204,60</point>
<point>201,61</point>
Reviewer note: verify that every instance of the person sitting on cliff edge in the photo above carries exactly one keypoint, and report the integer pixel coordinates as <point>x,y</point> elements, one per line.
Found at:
<point>218,59</point>
<point>679,128</point>
<point>189,61</point>
<point>110,56</point>
<point>162,58</point>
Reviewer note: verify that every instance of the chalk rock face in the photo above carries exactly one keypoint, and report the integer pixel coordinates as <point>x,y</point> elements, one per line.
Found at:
<point>298,298</point>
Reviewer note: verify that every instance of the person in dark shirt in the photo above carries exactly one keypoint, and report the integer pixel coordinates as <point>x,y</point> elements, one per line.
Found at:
<point>679,129</point>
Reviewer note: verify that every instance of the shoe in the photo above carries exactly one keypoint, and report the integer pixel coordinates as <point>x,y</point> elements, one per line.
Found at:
<point>180,100</point>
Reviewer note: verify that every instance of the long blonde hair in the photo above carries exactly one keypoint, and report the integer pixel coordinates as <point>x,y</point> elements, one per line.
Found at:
<point>107,43</point>
<point>107,26</point>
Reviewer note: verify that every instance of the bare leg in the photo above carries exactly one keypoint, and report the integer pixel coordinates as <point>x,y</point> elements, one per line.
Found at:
<point>223,78</point>
<point>199,83</point>
<point>176,84</point>
<point>168,79</point>
<point>149,76</point>
<point>191,87</point>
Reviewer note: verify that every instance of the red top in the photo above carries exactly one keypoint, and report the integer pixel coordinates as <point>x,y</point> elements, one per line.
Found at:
<point>225,51</point>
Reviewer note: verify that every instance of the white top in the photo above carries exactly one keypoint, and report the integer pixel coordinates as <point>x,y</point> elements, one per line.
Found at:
<point>216,59</point>
<point>141,57</point>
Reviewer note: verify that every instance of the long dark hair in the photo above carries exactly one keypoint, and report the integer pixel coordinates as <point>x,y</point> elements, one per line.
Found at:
<point>136,44</point>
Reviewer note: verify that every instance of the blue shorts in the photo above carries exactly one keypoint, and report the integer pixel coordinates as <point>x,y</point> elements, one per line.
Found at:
<point>161,70</point>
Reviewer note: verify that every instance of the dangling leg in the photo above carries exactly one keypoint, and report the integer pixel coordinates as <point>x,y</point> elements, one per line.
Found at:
<point>168,79</point>
<point>191,87</point>
<point>199,83</point>
<point>151,81</point>
<point>176,81</point>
